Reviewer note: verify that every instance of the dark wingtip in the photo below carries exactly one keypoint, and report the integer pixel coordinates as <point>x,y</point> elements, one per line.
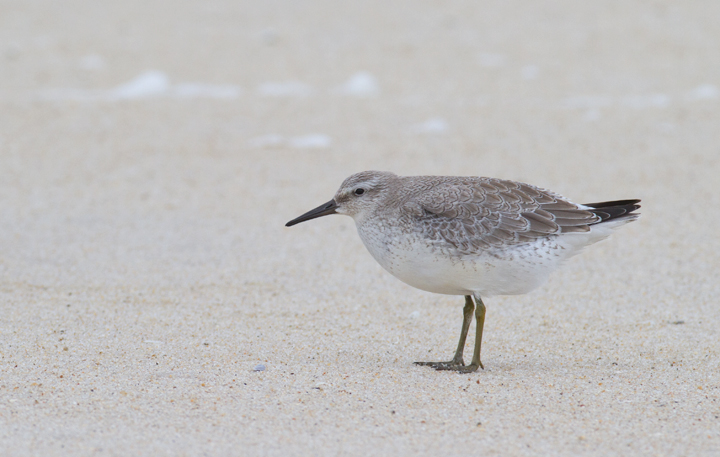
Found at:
<point>614,203</point>
<point>614,209</point>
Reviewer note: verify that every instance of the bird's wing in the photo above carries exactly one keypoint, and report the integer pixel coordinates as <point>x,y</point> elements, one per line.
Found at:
<point>468,215</point>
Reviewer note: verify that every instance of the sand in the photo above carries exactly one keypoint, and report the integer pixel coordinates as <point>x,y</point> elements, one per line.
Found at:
<point>151,152</point>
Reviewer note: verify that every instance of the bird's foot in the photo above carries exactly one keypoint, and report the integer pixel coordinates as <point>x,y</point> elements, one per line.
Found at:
<point>442,365</point>
<point>462,369</point>
<point>453,365</point>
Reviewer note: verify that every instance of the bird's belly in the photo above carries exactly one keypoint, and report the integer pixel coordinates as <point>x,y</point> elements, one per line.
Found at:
<point>510,272</point>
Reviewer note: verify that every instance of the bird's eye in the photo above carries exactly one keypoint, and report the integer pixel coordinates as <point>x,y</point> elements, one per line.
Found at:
<point>359,191</point>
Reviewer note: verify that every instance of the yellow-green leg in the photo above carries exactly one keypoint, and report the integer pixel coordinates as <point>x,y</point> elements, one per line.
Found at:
<point>457,363</point>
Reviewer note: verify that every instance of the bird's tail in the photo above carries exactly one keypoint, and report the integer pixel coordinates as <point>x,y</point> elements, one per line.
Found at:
<point>613,215</point>
<point>619,210</point>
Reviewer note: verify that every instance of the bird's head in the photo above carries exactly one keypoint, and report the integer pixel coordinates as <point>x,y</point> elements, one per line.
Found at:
<point>358,196</point>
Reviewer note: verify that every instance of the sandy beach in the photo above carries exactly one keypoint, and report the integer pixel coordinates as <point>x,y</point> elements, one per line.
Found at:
<point>153,303</point>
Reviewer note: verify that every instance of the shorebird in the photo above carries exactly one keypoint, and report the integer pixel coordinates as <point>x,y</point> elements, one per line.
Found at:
<point>471,236</point>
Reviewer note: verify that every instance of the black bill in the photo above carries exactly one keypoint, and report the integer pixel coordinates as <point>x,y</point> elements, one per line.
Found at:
<point>322,210</point>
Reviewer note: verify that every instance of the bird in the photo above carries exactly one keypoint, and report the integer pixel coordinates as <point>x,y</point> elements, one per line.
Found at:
<point>477,237</point>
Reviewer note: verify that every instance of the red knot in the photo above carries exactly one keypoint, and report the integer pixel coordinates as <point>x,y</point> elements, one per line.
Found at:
<point>470,236</point>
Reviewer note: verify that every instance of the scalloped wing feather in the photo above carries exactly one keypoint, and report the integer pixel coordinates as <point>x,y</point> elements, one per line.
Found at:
<point>469,215</point>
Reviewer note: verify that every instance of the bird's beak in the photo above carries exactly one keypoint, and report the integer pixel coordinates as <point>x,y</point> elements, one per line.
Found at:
<point>322,210</point>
